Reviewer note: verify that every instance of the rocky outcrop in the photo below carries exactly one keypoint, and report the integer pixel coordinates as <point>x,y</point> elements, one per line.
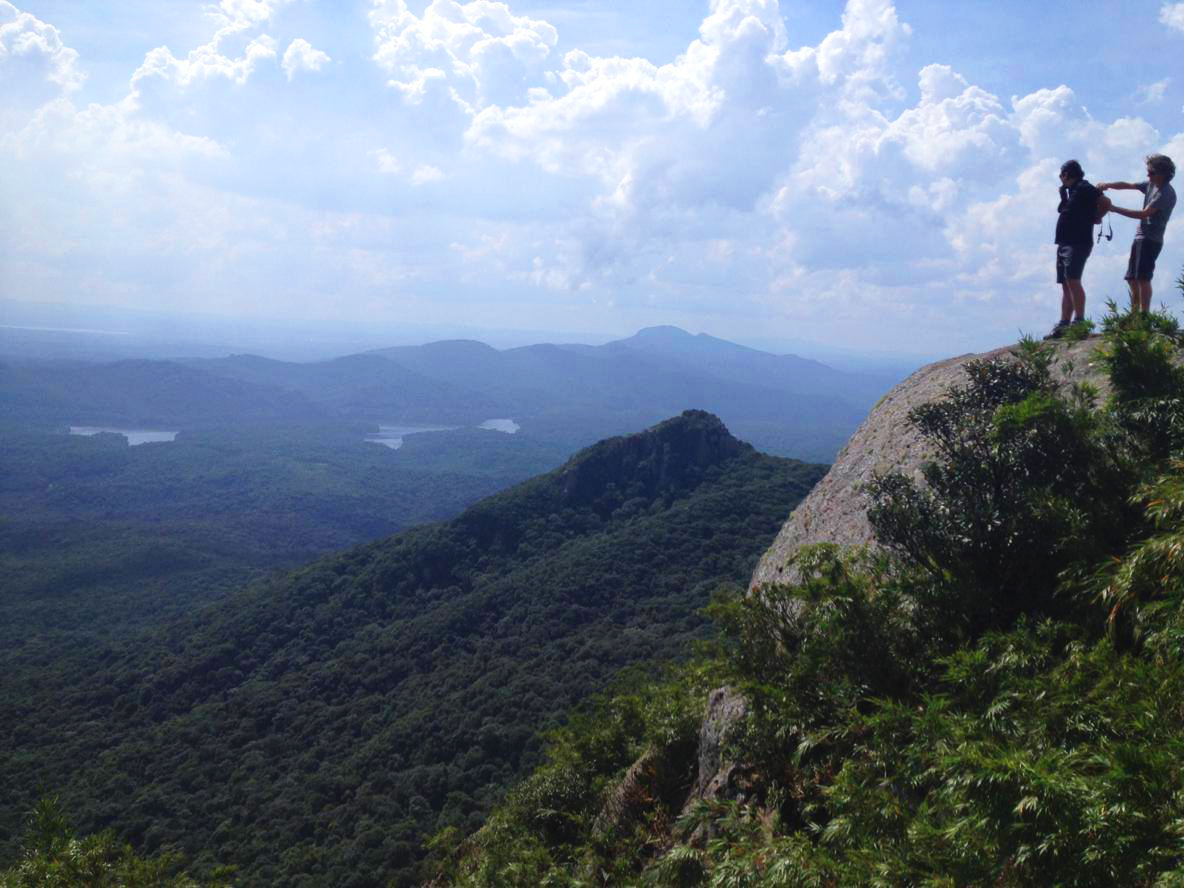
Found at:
<point>726,709</point>
<point>673,454</point>
<point>655,788</point>
<point>835,510</point>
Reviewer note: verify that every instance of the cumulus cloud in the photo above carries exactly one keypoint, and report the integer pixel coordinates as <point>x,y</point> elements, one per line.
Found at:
<point>1172,15</point>
<point>1152,93</point>
<point>425,173</point>
<point>663,138</point>
<point>386,162</point>
<point>25,36</point>
<point>837,184</point>
<point>205,62</point>
<point>747,177</point>
<point>475,53</point>
<point>35,65</point>
<point>301,56</point>
<point>210,61</point>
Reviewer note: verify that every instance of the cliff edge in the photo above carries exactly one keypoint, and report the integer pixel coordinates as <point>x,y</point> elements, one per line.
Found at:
<point>836,509</point>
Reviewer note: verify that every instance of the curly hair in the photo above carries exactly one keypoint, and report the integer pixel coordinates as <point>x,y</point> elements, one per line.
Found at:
<point>1161,165</point>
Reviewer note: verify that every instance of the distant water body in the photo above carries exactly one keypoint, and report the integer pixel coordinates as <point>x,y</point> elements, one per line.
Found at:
<point>392,435</point>
<point>134,436</point>
<point>500,425</point>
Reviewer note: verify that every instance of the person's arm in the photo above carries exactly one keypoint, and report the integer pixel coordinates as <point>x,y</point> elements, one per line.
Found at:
<point>1118,186</point>
<point>1135,214</point>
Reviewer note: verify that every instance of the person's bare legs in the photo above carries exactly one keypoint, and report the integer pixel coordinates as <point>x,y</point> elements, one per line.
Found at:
<point>1066,303</point>
<point>1073,299</point>
<point>1140,295</point>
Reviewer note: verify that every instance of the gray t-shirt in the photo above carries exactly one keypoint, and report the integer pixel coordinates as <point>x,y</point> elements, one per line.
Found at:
<point>1164,200</point>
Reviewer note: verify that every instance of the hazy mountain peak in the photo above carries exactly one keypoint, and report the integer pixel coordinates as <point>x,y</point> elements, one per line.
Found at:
<point>675,341</point>
<point>663,331</point>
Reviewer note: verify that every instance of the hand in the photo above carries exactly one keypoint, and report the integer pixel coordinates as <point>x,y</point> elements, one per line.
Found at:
<point>1102,186</point>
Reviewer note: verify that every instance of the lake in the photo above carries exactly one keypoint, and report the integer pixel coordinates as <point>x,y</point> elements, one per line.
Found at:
<point>134,436</point>
<point>500,425</point>
<point>392,435</point>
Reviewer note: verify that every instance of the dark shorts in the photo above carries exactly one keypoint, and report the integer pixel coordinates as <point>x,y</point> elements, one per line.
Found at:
<point>1071,261</point>
<point>1142,263</point>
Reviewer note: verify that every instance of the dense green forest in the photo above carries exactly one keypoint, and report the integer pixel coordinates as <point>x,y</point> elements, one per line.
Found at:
<point>315,727</point>
<point>99,539</point>
<point>990,698</point>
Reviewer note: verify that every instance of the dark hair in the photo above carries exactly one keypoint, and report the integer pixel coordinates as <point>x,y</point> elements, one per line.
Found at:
<point>1072,169</point>
<point>1161,165</point>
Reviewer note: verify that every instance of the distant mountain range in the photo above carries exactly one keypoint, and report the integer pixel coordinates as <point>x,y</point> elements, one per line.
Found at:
<point>566,395</point>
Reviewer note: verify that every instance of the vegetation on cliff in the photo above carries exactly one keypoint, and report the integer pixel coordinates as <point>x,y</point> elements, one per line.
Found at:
<point>314,728</point>
<point>990,697</point>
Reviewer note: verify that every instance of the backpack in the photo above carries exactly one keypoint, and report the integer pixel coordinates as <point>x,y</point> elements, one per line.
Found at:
<point>1100,212</point>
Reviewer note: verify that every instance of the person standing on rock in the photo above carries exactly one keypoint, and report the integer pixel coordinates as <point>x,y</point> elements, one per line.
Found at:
<point>1159,199</point>
<point>1074,239</point>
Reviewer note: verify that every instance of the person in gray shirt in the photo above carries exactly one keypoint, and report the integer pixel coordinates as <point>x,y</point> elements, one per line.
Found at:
<point>1159,199</point>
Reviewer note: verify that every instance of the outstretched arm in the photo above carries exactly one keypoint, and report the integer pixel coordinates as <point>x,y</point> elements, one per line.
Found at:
<point>1117,186</point>
<point>1134,214</point>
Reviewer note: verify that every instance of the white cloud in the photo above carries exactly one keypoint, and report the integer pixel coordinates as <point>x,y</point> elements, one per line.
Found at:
<point>205,62</point>
<point>836,185</point>
<point>477,52</point>
<point>387,162</point>
<point>209,61</point>
<point>1172,15</point>
<point>426,173</point>
<point>744,180</point>
<point>301,56</point>
<point>34,62</point>
<point>244,13</point>
<point>1152,93</point>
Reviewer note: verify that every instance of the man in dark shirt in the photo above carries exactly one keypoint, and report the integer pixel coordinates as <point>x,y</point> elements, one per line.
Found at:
<point>1074,240</point>
<point>1159,199</point>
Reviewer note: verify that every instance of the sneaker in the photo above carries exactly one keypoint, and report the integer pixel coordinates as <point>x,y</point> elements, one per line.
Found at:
<point>1059,330</point>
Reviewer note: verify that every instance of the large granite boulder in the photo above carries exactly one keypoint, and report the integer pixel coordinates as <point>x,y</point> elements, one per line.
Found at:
<point>836,509</point>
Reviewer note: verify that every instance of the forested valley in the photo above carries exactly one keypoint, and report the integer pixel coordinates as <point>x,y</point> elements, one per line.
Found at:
<point>316,727</point>
<point>989,697</point>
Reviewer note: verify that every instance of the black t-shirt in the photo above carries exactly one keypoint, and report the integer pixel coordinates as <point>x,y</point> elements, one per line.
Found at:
<point>1079,206</point>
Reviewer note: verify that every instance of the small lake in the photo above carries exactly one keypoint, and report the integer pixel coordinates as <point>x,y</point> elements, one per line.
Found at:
<point>500,425</point>
<point>134,436</point>
<point>392,435</point>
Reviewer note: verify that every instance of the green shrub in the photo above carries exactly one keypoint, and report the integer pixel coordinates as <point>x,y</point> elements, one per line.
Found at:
<point>51,856</point>
<point>949,712</point>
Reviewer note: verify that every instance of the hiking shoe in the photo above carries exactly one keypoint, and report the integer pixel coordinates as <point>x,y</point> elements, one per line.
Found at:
<point>1059,330</point>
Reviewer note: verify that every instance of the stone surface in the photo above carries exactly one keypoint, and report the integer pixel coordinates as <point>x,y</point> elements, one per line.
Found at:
<point>726,708</point>
<point>835,510</point>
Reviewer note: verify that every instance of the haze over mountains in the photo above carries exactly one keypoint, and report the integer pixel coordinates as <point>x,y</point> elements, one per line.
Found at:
<point>567,395</point>
<point>150,632</point>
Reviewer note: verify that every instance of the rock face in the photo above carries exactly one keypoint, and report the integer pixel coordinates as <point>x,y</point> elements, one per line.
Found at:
<point>661,784</point>
<point>835,510</point>
<point>726,708</point>
<point>672,454</point>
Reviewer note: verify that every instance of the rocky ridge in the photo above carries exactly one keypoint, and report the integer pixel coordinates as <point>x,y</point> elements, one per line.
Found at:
<point>835,510</point>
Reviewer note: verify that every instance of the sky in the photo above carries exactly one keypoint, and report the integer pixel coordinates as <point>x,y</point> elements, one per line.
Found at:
<point>864,175</point>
